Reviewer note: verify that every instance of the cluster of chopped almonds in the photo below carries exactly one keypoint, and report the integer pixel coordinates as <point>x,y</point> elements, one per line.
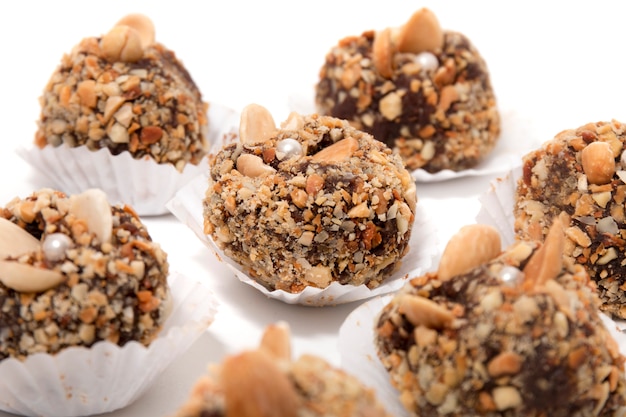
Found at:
<point>580,177</point>
<point>313,202</point>
<point>267,382</point>
<point>519,334</point>
<point>109,280</point>
<point>125,92</point>
<point>424,91</point>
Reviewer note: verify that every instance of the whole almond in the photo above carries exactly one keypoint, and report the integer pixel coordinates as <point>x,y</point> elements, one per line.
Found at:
<point>27,278</point>
<point>337,152</point>
<point>470,247</point>
<point>256,125</point>
<point>382,53</point>
<point>421,33</point>
<point>142,24</point>
<point>598,162</point>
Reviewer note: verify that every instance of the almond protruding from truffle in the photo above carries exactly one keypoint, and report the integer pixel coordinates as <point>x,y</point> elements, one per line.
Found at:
<point>256,125</point>
<point>253,166</point>
<point>337,152</point>
<point>27,278</point>
<point>122,44</point>
<point>422,311</point>
<point>382,53</point>
<point>276,341</point>
<point>470,247</point>
<point>421,33</point>
<point>546,263</point>
<point>16,241</point>
<point>142,24</point>
<point>93,206</point>
<point>598,162</point>
<point>254,386</point>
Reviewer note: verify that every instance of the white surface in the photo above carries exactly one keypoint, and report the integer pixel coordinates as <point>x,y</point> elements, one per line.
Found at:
<point>558,64</point>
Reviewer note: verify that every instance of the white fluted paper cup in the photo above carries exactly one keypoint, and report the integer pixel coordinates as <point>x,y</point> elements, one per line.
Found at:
<point>80,381</point>
<point>142,183</point>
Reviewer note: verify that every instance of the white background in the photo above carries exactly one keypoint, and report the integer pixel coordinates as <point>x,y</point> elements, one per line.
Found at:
<point>555,65</point>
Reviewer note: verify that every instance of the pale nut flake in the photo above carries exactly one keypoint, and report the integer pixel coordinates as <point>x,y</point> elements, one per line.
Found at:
<point>93,207</point>
<point>598,162</point>
<point>421,33</point>
<point>27,278</point>
<point>253,166</point>
<point>470,247</point>
<point>15,240</point>
<point>256,125</point>
<point>337,152</point>
<point>122,43</point>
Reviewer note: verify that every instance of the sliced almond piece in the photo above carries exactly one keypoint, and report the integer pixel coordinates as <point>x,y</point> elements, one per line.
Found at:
<point>256,125</point>
<point>253,166</point>
<point>382,53</point>
<point>294,121</point>
<point>93,207</point>
<point>142,24</point>
<point>337,152</point>
<point>421,33</point>
<point>276,341</point>
<point>254,386</point>
<point>27,278</point>
<point>422,311</point>
<point>15,240</point>
<point>470,247</point>
<point>547,261</point>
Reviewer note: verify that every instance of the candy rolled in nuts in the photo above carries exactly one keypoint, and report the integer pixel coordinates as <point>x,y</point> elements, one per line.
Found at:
<point>471,246</point>
<point>598,162</point>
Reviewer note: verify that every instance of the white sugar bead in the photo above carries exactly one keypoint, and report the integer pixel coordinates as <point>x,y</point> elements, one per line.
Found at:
<point>55,245</point>
<point>289,148</point>
<point>427,61</point>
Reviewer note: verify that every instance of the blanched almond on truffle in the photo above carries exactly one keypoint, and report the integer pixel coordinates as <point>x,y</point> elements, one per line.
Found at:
<point>382,53</point>
<point>122,44</point>
<point>253,166</point>
<point>546,263</point>
<point>256,125</point>
<point>337,152</point>
<point>254,386</point>
<point>470,247</point>
<point>93,206</point>
<point>15,241</point>
<point>276,340</point>
<point>421,33</point>
<point>422,311</point>
<point>142,24</point>
<point>27,278</point>
<point>598,162</point>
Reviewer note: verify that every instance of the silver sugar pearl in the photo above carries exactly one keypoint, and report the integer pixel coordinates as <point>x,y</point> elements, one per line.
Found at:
<point>427,61</point>
<point>55,245</point>
<point>289,148</point>
<point>510,276</point>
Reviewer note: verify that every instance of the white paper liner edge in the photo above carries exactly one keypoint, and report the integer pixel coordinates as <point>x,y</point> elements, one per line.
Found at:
<point>82,381</point>
<point>187,207</point>
<point>143,184</point>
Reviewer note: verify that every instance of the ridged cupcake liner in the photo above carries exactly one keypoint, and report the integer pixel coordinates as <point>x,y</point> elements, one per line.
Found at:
<point>80,381</point>
<point>142,183</point>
